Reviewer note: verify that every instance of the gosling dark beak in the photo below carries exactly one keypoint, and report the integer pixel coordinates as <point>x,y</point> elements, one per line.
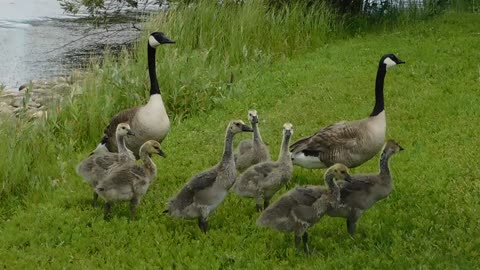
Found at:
<point>161,153</point>
<point>255,119</point>
<point>247,128</point>
<point>130,132</point>
<point>348,178</point>
<point>288,132</point>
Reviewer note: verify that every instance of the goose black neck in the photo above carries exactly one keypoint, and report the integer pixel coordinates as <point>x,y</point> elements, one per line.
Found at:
<point>379,102</point>
<point>154,88</point>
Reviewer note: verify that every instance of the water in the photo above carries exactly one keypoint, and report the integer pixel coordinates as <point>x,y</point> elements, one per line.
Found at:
<point>39,41</point>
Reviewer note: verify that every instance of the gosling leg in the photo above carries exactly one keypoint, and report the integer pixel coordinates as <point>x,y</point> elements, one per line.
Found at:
<point>95,199</point>
<point>298,240</point>
<point>266,203</point>
<point>107,210</point>
<point>203,224</point>
<point>305,243</point>
<point>133,206</point>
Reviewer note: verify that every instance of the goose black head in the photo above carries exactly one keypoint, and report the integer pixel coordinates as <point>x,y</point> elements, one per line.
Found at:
<point>158,38</point>
<point>390,60</point>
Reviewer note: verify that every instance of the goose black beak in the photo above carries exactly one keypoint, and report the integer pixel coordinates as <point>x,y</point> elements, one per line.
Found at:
<point>247,128</point>
<point>161,153</point>
<point>131,133</point>
<point>167,41</point>
<point>401,148</point>
<point>348,178</point>
<point>400,62</point>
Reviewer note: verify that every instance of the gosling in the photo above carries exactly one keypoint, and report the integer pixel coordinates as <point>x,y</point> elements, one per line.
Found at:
<point>129,181</point>
<point>302,207</point>
<point>207,190</point>
<point>364,190</point>
<point>251,152</point>
<point>95,167</point>
<point>263,180</point>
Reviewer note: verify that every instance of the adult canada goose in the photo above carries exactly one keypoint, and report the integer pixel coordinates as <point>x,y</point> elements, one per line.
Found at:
<point>129,181</point>
<point>252,151</point>
<point>261,181</point>
<point>302,207</point>
<point>207,190</point>
<point>95,167</point>
<point>364,190</point>
<point>150,121</point>
<point>350,143</point>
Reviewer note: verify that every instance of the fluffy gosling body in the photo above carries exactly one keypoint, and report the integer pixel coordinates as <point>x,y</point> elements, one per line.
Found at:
<point>350,143</point>
<point>205,191</point>
<point>250,152</point>
<point>261,181</point>
<point>364,190</point>
<point>95,167</point>
<point>302,207</point>
<point>130,181</point>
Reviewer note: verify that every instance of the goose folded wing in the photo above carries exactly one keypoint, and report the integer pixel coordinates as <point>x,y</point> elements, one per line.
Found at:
<point>342,134</point>
<point>305,195</point>
<point>122,117</point>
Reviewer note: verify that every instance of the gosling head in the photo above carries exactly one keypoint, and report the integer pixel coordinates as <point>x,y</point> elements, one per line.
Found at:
<point>390,60</point>
<point>158,38</point>
<point>339,172</point>
<point>237,126</point>
<point>253,116</point>
<point>391,147</point>
<point>288,129</point>
<point>123,129</point>
<point>152,147</point>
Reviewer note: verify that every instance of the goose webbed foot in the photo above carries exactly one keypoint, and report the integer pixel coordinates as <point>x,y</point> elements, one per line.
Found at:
<point>203,224</point>
<point>107,210</point>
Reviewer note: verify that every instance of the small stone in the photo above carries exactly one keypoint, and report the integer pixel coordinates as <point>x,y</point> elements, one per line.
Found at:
<point>61,88</point>
<point>17,102</point>
<point>34,104</point>
<point>37,114</point>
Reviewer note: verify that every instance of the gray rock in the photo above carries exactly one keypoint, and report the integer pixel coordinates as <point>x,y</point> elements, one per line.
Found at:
<point>62,88</point>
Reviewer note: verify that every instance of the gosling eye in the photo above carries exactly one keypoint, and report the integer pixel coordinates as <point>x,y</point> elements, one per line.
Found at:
<point>238,124</point>
<point>343,172</point>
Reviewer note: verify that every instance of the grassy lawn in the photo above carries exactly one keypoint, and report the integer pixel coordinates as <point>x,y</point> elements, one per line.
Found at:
<point>431,220</point>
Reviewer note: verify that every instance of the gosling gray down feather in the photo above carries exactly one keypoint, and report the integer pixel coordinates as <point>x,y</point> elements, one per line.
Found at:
<point>150,121</point>
<point>250,152</point>
<point>261,181</point>
<point>302,207</point>
<point>130,181</point>
<point>95,167</point>
<point>350,143</point>
<point>364,190</point>
<point>205,191</point>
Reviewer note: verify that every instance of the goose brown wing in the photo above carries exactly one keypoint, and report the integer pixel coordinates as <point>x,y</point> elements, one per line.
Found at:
<point>342,134</point>
<point>358,183</point>
<point>124,116</point>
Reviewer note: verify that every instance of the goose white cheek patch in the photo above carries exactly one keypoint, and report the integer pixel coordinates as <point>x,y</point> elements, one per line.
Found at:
<point>389,62</point>
<point>153,42</point>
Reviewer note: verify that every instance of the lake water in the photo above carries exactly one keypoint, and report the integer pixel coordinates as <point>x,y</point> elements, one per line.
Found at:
<point>38,41</point>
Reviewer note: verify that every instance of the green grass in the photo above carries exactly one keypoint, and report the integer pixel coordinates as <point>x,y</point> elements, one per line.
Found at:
<point>430,221</point>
